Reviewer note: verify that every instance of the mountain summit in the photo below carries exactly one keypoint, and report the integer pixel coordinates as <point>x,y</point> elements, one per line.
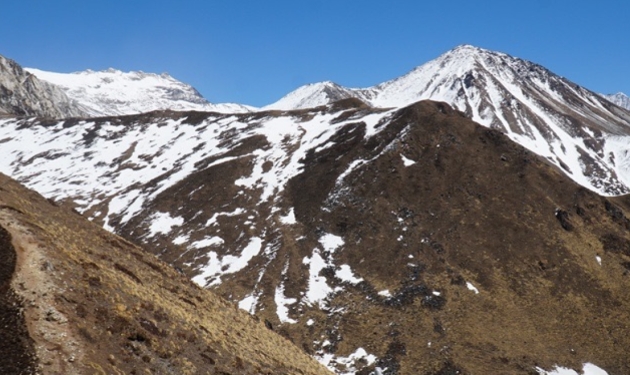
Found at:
<point>574,128</point>
<point>112,92</point>
<point>620,99</point>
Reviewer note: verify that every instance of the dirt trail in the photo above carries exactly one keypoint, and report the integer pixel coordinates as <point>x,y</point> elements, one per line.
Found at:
<point>46,327</point>
<point>17,350</point>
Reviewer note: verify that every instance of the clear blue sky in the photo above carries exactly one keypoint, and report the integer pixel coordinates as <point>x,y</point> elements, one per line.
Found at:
<point>254,52</point>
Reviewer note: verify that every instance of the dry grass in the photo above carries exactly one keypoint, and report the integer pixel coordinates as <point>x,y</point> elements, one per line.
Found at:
<point>98,304</point>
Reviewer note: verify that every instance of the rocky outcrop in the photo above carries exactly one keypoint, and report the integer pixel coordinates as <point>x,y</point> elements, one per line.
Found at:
<point>22,94</point>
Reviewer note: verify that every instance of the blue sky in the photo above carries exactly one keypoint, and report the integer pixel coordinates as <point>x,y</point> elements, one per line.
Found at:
<point>254,52</point>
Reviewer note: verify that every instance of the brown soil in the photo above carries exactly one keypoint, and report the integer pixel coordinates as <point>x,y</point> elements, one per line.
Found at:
<point>95,304</point>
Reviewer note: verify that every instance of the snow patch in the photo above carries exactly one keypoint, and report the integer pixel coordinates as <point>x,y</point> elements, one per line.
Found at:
<point>345,274</point>
<point>249,303</point>
<point>216,267</point>
<point>587,369</point>
<point>213,220</point>
<point>318,289</point>
<point>281,305</point>
<point>207,242</point>
<point>346,365</point>
<point>470,286</point>
<point>163,223</point>
<point>330,242</point>
<point>289,219</point>
<point>407,162</point>
<point>181,239</point>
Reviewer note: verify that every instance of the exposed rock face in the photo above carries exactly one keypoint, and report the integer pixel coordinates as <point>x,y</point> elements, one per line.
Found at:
<point>396,241</point>
<point>22,94</point>
<point>79,300</point>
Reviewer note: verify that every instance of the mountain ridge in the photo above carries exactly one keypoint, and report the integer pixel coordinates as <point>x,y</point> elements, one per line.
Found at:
<point>22,94</point>
<point>574,128</point>
<point>112,92</point>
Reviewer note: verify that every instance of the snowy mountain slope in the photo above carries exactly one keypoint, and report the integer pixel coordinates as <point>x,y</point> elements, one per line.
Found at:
<point>388,241</point>
<point>620,99</point>
<point>22,94</point>
<point>121,168</point>
<point>313,95</point>
<point>112,92</point>
<point>546,113</point>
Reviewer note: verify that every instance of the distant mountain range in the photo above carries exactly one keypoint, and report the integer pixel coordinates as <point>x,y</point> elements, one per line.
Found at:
<point>112,92</point>
<point>382,234</point>
<point>574,128</point>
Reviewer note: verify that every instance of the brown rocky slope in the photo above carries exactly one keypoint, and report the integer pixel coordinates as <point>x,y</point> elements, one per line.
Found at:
<point>475,211</point>
<point>79,300</point>
<point>370,255</point>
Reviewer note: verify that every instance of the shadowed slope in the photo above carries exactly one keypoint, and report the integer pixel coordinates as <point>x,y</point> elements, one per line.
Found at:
<point>445,208</point>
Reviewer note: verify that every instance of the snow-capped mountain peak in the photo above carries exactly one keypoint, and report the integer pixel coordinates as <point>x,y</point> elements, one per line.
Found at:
<point>114,92</point>
<point>536,108</point>
<point>619,99</point>
<point>313,95</point>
